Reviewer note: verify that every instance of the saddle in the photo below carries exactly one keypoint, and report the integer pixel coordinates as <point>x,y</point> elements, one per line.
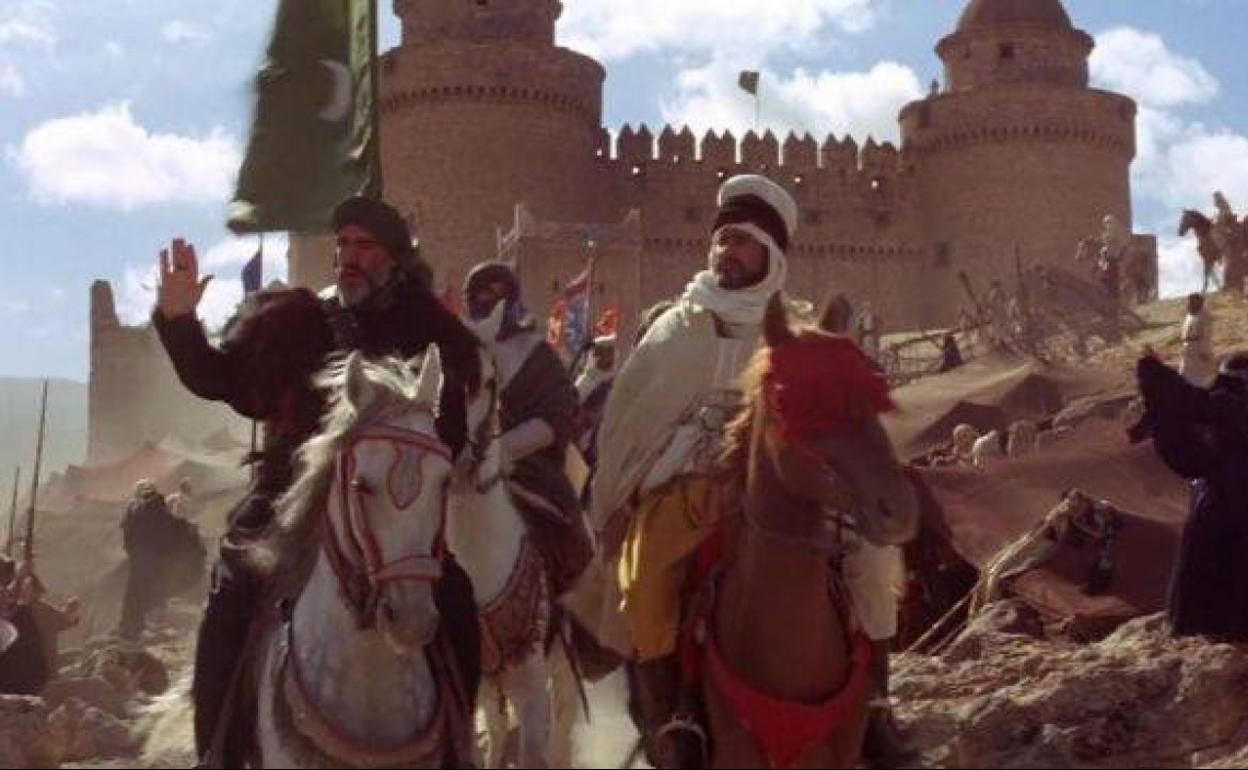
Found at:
<point>564,540</point>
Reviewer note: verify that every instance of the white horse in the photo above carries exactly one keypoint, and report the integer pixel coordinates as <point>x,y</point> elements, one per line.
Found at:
<point>358,674</point>
<point>489,538</point>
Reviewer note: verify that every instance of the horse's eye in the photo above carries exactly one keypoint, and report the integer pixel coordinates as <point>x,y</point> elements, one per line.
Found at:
<point>361,485</point>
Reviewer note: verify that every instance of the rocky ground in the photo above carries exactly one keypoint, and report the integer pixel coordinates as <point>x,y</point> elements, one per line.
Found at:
<point>1000,697</point>
<point>90,715</point>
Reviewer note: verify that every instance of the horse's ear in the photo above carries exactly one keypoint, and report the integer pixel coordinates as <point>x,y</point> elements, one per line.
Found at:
<point>832,321</point>
<point>776,329</point>
<point>359,389</point>
<point>430,382</point>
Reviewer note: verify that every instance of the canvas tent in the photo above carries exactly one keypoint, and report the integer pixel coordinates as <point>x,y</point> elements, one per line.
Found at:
<point>977,514</point>
<point>988,393</point>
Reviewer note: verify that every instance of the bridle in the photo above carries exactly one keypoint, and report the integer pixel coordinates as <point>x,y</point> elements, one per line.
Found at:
<point>838,521</point>
<point>356,557</point>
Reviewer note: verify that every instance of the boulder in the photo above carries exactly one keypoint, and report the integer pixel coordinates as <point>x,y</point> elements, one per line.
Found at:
<point>998,697</point>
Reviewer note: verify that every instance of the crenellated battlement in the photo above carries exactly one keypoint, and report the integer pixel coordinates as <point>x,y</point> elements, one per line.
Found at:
<point>797,154</point>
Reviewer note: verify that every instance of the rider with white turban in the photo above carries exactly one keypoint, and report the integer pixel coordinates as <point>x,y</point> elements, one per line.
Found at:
<point>662,434</point>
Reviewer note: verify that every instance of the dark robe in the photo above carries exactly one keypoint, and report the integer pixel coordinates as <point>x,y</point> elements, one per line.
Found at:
<point>24,669</point>
<point>149,533</point>
<point>1203,436</point>
<point>263,370</point>
<point>542,389</point>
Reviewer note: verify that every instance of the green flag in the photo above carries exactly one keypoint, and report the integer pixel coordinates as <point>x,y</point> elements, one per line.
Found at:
<point>314,141</point>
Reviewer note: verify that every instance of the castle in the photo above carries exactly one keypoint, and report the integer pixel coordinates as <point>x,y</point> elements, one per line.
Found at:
<point>493,144</point>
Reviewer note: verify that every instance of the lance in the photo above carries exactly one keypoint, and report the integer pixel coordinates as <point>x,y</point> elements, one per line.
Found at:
<point>17,482</point>
<point>28,553</point>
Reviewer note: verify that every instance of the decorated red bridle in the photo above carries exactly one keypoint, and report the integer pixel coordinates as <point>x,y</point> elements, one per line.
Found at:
<point>356,557</point>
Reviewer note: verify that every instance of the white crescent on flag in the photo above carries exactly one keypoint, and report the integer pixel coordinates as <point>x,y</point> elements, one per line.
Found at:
<point>340,94</point>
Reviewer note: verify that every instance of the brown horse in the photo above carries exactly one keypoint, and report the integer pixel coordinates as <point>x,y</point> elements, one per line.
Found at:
<point>786,682</point>
<point>1207,245</point>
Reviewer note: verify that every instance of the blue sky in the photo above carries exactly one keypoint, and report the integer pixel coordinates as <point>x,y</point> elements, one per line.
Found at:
<point>122,121</point>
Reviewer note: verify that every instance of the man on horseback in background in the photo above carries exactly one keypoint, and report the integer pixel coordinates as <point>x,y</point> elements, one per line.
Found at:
<point>662,436</point>
<point>381,305</point>
<point>537,409</point>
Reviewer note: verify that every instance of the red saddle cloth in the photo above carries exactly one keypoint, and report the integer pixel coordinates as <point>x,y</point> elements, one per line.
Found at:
<point>785,730</point>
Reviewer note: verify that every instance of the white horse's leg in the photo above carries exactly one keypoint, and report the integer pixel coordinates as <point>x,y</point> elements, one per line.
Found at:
<point>565,705</point>
<point>497,722</point>
<point>530,693</point>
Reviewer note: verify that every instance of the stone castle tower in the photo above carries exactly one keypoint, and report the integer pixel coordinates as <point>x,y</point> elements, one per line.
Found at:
<point>493,144</point>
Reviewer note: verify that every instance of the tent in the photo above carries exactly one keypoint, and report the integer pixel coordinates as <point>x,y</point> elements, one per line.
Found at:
<point>973,515</point>
<point>988,393</point>
<point>165,465</point>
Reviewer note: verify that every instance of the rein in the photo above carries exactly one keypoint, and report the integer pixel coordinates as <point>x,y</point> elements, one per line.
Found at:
<point>356,558</point>
<point>480,442</point>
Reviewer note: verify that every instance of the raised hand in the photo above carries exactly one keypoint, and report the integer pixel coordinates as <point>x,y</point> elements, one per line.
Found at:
<point>180,288</point>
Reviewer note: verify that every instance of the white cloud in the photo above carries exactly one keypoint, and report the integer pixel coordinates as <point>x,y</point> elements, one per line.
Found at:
<point>114,50</point>
<point>181,31</point>
<point>1182,271</point>
<point>1140,65</point>
<point>28,22</point>
<point>858,103</point>
<point>11,81</point>
<point>106,159</point>
<point>613,30</point>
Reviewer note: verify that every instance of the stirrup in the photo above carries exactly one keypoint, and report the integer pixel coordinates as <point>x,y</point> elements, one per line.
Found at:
<point>687,726</point>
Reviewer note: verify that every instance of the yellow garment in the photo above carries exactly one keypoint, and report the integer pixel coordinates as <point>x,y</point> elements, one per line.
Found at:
<point>667,527</point>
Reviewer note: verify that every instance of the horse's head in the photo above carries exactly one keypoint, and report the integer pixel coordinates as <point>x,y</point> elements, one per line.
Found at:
<point>816,419</point>
<point>1193,220</point>
<point>386,509</point>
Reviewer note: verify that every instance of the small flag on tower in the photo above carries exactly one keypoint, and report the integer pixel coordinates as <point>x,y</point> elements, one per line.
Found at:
<point>749,81</point>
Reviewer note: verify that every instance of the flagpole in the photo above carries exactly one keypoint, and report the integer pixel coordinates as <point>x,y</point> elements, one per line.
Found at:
<point>28,552</point>
<point>374,78</point>
<point>17,482</point>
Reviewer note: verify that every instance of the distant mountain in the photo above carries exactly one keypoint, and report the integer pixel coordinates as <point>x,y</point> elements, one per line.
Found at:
<point>66,441</point>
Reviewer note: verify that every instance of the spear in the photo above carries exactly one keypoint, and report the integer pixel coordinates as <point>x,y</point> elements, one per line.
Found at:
<point>17,482</point>
<point>29,552</point>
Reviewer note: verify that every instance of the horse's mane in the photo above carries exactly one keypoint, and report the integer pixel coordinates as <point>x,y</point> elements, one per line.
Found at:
<point>289,549</point>
<point>734,461</point>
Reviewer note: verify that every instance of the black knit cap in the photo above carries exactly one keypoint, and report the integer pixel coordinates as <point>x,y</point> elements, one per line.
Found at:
<point>751,209</point>
<point>382,221</point>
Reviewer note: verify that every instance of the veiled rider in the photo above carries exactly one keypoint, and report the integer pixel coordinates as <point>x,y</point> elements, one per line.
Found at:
<point>537,410</point>
<point>381,305</point>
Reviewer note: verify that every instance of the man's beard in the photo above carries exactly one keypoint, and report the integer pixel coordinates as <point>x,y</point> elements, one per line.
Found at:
<point>732,276</point>
<point>355,294</point>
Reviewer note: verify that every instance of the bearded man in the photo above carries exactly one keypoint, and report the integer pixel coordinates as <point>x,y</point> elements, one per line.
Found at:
<point>381,305</point>
<point>662,435</point>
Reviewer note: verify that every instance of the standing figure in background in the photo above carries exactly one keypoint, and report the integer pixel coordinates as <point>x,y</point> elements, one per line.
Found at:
<point>1202,435</point>
<point>182,503</point>
<point>840,315</point>
<point>146,531</point>
<point>1115,242</point>
<point>1200,364</point>
<point>868,331</point>
<point>1228,233</point>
